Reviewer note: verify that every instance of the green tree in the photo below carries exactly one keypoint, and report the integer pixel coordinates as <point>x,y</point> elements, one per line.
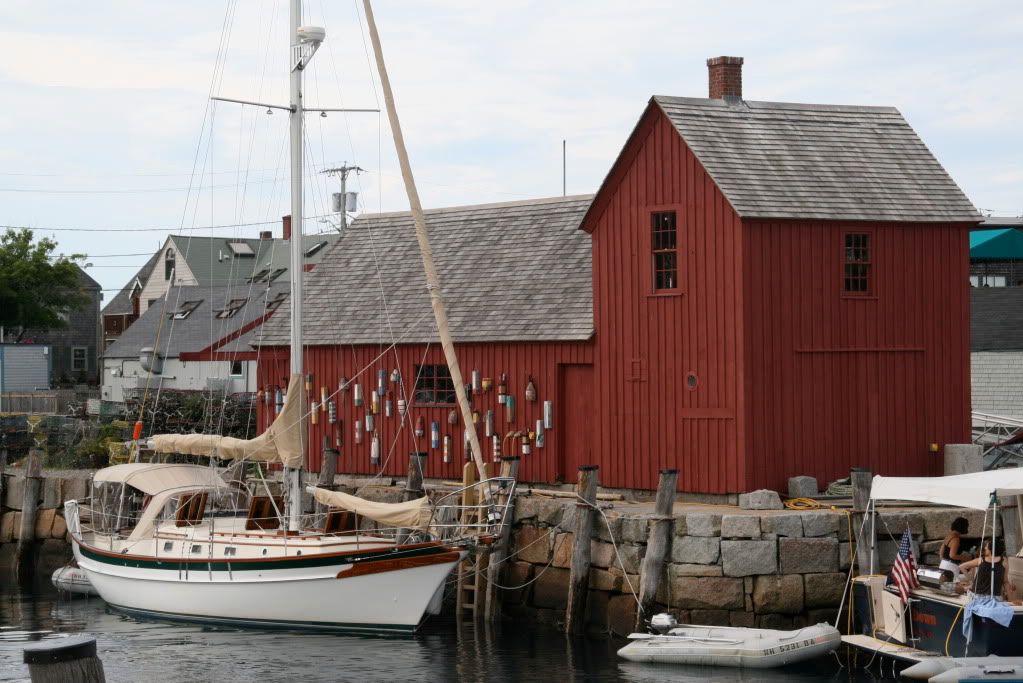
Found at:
<point>36,288</point>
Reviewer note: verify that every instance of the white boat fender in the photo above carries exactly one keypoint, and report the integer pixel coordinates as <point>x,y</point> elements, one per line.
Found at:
<point>927,669</point>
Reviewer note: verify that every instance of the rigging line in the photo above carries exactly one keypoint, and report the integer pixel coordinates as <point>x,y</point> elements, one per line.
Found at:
<point>150,190</point>
<point>222,226</point>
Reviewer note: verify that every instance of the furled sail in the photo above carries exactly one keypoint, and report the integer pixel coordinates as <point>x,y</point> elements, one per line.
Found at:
<point>413,514</point>
<point>281,442</point>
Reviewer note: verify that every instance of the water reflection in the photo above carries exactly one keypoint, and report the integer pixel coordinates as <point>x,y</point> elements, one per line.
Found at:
<point>152,651</point>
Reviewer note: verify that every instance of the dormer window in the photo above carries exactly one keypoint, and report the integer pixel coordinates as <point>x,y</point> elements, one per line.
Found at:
<point>185,310</point>
<point>232,307</point>
<point>274,303</point>
<point>315,248</point>
<point>168,264</point>
<point>664,248</point>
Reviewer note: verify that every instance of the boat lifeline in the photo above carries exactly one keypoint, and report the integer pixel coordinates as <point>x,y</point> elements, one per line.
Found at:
<point>753,648</point>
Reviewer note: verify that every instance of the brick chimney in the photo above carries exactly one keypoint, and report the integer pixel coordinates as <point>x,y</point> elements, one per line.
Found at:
<point>724,77</point>
<point>286,220</point>
<point>266,235</point>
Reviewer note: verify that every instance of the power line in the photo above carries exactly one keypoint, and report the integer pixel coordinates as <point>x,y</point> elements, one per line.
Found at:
<point>165,229</point>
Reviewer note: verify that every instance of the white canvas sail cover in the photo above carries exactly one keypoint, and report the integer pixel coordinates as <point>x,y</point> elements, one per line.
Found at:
<point>152,478</point>
<point>413,514</point>
<point>963,490</point>
<point>281,442</point>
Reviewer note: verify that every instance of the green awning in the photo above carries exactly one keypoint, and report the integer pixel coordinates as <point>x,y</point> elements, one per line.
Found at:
<point>1005,244</point>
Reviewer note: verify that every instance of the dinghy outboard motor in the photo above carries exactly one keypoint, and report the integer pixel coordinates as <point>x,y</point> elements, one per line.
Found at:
<point>662,623</point>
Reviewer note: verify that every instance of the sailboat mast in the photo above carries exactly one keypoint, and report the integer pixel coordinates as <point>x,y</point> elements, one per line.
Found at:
<point>295,63</point>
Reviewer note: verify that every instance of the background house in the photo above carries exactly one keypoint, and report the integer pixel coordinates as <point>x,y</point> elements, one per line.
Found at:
<point>125,307</point>
<point>996,358</point>
<point>198,339</point>
<point>996,253</point>
<point>758,290</point>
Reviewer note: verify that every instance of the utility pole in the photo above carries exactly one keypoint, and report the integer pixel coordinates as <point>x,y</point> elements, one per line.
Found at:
<point>342,172</point>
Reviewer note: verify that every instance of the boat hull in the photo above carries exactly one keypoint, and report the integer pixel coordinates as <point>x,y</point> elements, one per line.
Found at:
<point>309,593</point>
<point>734,647</point>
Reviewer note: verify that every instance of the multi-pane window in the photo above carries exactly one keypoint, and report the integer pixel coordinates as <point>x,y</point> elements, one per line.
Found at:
<point>664,245</point>
<point>168,264</point>
<point>79,358</point>
<point>232,307</point>
<point>857,263</point>
<point>185,310</point>
<point>434,385</point>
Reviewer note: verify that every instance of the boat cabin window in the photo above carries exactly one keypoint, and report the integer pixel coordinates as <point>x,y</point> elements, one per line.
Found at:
<point>263,513</point>
<point>230,550</point>
<point>168,546</point>
<point>191,507</point>
<point>196,549</point>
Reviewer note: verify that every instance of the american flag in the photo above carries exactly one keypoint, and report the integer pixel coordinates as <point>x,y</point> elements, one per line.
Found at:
<point>904,571</point>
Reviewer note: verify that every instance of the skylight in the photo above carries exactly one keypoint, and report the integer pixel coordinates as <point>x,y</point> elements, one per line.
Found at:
<point>240,249</point>
<point>315,248</point>
<point>185,309</point>
<point>232,307</point>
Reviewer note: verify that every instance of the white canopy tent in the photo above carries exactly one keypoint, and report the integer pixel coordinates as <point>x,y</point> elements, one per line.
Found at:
<point>972,490</point>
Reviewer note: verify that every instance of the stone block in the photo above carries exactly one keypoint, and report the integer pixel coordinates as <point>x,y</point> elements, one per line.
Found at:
<point>696,550</point>
<point>7,526</point>
<point>703,524</point>
<point>44,522</point>
<point>8,554</point>
<point>823,590</point>
<point>740,526</point>
<point>51,492</point>
<point>888,549</point>
<point>747,558</point>
<point>602,554</point>
<point>525,508</point>
<point>697,592</point>
<point>549,511</point>
<point>621,614</point>
<point>15,525</point>
<point>695,570</point>
<point>711,617</point>
<point>596,610</point>
<point>533,544</point>
<point>898,522</point>
<point>818,523</point>
<point>680,527</point>
<point>563,545</point>
<point>782,524</point>
<point>75,489</point>
<point>747,584</point>
<point>748,602</point>
<point>938,522</point>
<point>14,492</point>
<point>612,528</point>
<point>551,589</point>
<point>630,582</point>
<point>568,517</point>
<point>820,616</point>
<point>803,487</point>
<point>742,619</point>
<point>51,554</point>
<point>808,555</point>
<point>963,458</point>
<point>844,558</point>
<point>764,499</point>
<point>778,622</point>
<point>778,594</point>
<point>518,574</point>
<point>604,580</point>
<point>634,529</point>
<point>631,557</point>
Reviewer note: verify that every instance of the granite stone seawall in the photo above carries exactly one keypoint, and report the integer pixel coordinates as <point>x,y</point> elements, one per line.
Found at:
<point>730,567</point>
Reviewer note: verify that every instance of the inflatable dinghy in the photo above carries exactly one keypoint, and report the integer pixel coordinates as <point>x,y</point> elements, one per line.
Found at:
<point>73,580</point>
<point>753,648</point>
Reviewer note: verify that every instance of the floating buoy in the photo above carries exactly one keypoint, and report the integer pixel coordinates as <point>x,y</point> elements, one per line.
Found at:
<point>420,427</point>
<point>395,376</point>
<point>495,442</point>
<point>476,380</point>
<point>381,382</point>
<point>453,417</point>
<point>488,424</point>
<point>434,434</point>
<point>389,404</point>
<point>530,390</point>
<point>314,412</point>
<point>374,450</point>
<point>540,438</point>
<point>358,431</point>
<point>331,412</point>
<point>370,423</point>
<point>502,388</point>
<point>525,444</point>
<point>136,433</point>
<point>486,384</point>
<point>357,395</point>
<point>548,415</point>
<point>509,408</point>
<point>402,407</point>
<point>374,403</point>
<point>447,448</point>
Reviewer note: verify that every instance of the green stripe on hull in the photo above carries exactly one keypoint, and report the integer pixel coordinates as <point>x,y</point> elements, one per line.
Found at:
<point>260,564</point>
<point>380,629</point>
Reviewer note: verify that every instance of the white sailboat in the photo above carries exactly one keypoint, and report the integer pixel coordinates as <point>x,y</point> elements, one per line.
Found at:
<point>179,541</point>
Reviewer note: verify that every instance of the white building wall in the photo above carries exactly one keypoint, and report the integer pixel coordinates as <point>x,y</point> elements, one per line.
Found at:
<point>120,374</point>
<point>997,382</point>
<point>157,284</point>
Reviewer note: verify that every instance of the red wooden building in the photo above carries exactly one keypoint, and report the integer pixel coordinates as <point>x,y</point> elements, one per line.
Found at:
<point>757,290</point>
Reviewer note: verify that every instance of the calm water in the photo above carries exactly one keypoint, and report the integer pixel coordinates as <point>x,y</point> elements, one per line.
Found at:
<point>133,650</point>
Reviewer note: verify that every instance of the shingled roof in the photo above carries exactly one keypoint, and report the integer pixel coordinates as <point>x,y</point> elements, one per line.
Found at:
<point>200,328</point>
<point>996,319</point>
<point>517,271</point>
<point>121,303</point>
<point>815,161</point>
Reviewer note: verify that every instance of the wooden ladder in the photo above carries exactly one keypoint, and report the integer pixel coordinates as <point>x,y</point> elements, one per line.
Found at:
<point>472,572</point>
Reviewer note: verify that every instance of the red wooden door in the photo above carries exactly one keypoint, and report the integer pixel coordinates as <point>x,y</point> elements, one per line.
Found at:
<point>574,426</point>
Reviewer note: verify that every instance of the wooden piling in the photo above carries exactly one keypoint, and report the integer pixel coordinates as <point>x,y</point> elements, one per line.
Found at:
<point>29,506</point>
<point>861,482</point>
<point>3,466</point>
<point>328,466</point>
<point>658,544</point>
<point>499,551</point>
<point>414,482</point>
<point>579,574</point>
<point>64,659</point>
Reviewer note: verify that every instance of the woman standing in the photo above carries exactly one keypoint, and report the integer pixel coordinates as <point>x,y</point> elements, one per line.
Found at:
<point>951,553</point>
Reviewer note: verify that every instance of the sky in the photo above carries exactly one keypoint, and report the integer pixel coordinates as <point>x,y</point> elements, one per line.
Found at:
<point>106,122</point>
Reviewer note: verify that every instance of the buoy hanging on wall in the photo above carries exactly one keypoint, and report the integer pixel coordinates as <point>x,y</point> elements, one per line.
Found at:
<point>530,390</point>
<point>434,434</point>
<point>395,376</point>
<point>502,388</point>
<point>314,412</point>
<point>279,399</point>
<point>357,395</point>
<point>331,411</point>
<point>381,382</point>
<point>525,444</point>
<point>453,417</point>
<point>495,444</point>
<point>541,439</point>
<point>420,427</point>
<point>488,424</point>
<point>476,380</point>
<point>309,383</point>
<point>358,431</point>
<point>389,404</point>
<point>343,383</point>
<point>467,444</point>
<point>509,408</point>
<point>402,407</point>
<point>374,451</point>
<point>486,384</point>
<point>548,415</point>
<point>447,448</point>
<point>374,403</point>
<point>370,423</point>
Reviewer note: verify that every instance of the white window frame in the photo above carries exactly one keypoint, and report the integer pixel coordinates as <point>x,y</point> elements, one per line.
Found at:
<point>84,359</point>
<point>241,366</point>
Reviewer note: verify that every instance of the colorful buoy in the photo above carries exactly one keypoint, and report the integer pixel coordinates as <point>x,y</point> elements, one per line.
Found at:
<point>447,448</point>
<point>374,451</point>
<point>420,427</point>
<point>540,437</point>
<point>331,412</point>
<point>548,415</point>
<point>530,390</point>
<point>434,434</point>
<point>357,395</point>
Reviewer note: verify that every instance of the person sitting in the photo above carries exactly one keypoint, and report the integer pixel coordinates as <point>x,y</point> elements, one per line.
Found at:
<point>951,553</point>
<point>988,569</point>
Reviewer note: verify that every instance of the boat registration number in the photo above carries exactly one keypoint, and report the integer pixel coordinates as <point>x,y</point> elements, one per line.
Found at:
<point>788,647</point>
